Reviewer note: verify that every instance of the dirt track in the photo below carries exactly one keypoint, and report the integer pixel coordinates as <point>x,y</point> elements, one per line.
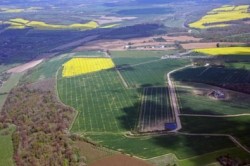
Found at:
<point>173,97</point>
<point>24,67</point>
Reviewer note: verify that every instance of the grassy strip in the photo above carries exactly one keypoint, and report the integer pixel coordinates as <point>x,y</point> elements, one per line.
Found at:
<point>7,86</point>
<point>148,147</point>
<point>6,150</point>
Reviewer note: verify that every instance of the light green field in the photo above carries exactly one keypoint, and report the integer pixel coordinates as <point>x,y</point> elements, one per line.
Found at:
<point>150,74</point>
<point>239,65</point>
<point>6,150</point>
<point>145,68</point>
<point>124,58</point>
<point>49,68</point>
<point>97,97</point>
<point>148,147</point>
<point>107,110</point>
<point>6,67</point>
<point>7,86</point>
<point>194,99</point>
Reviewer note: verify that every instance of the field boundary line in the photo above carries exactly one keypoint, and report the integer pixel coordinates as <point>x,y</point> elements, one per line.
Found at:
<point>173,98</point>
<point>142,63</point>
<point>215,116</point>
<point>122,79</point>
<point>59,100</point>
<point>207,153</point>
<point>234,140</point>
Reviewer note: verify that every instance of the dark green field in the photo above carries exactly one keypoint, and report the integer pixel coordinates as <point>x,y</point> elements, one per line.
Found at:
<point>213,75</point>
<point>238,127</point>
<point>155,109</point>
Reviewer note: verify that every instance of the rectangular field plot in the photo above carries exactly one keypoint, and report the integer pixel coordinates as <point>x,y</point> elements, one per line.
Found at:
<point>150,73</point>
<point>155,111</point>
<point>102,102</point>
<point>123,58</point>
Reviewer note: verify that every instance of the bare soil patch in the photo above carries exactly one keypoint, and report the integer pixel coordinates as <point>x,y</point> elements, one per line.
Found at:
<point>181,38</point>
<point>120,160</point>
<point>247,22</point>
<point>102,45</point>
<point>112,19</point>
<point>24,67</point>
<point>91,152</point>
<point>207,45</point>
<point>44,85</point>
<point>144,43</point>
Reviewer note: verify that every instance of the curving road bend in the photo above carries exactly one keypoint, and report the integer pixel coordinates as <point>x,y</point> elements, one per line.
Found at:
<point>173,99</point>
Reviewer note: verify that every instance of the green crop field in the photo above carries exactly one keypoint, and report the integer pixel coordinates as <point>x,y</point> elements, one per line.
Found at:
<point>145,68</point>
<point>150,74</point>
<point>100,96</point>
<point>213,75</point>
<point>49,68</point>
<point>103,95</point>
<point>194,99</point>
<point>45,70</point>
<point>89,53</point>
<point>6,150</point>
<point>238,127</point>
<point>148,147</point>
<point>239,65</point>
<point>7,86</point>
<point>127,58</point>
<point>155,110</point>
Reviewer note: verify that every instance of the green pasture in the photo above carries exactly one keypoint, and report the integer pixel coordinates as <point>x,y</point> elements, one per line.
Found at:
<point>192,103</point>
<point>6,150</point>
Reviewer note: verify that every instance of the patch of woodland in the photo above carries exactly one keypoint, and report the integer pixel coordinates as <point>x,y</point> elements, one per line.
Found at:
<point>41,121</point>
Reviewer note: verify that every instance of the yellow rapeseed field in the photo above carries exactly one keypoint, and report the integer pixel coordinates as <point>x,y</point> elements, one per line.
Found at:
<point>10,10</point>
<point>218,17</point>
<point>78,66</point>
<point>19,10</point>
<point>42,25</point>
<point>225,51</point>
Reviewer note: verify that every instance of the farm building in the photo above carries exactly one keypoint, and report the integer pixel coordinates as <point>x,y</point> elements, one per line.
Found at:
<point>170,126</point>
<point>218,94</point>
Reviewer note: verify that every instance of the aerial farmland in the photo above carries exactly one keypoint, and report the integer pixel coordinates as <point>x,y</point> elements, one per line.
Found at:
<point>120,83</point>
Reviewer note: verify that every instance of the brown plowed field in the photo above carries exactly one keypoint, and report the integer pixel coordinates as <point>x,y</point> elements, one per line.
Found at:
<point>120,160</point>
<point>135,42</point>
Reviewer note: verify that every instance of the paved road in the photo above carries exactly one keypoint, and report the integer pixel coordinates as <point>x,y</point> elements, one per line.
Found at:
<point>173,98</point>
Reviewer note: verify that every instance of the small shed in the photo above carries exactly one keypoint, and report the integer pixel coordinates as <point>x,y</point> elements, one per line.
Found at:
<point>218,94</point>
<point>170,126</point>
